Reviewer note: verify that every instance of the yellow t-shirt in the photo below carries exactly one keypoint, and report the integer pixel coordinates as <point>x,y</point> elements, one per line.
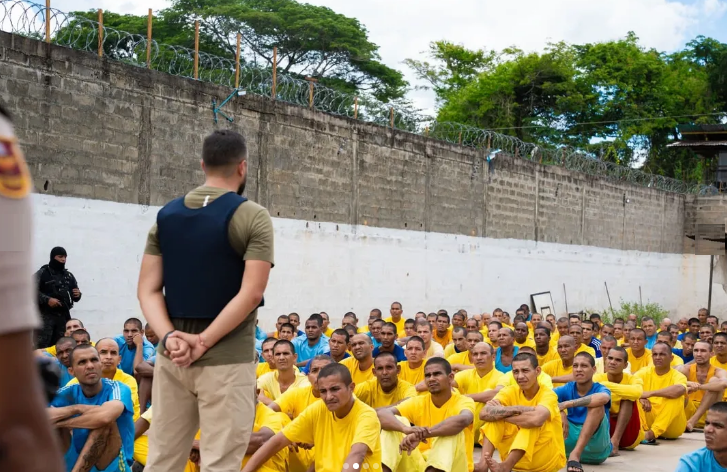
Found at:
<point>129,381</point>
<point>52,350</point>
<point>262,369</point>
<point>715,362</point>
<point>676,360</point>
<point>556,369</point>
<point>548,453</point>
<point>270,386</point>
<point>554,338</point>
<point>638,363</point>
<point>435,349</point>
<point>469,381</point>
<point>422,412</point>
<point>444,340</point>
<point>460,358</point>
<point>333,437</point>
<point>147,415</point>
<point>357,374</point>
<point>652,381</point>
<point>329,331</point>
<point>413,376</point>
<point>295,400</point>
<point>371,394</point>
<point>588,349</point>
<point>508,379</point>
<point>400,331</point>
<point>630,388</point>
<point>528,343</point>
<point>274,421</point>
<point>551,355</point>
<point>449,350</point>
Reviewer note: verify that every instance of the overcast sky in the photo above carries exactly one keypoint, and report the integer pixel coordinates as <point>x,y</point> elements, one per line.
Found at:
<point>404,28</point>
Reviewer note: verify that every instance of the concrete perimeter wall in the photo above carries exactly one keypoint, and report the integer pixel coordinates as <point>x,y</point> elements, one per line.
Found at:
<point>101,130</point>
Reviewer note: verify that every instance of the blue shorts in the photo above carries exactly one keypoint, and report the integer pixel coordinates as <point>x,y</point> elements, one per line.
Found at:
<point>120,465</point>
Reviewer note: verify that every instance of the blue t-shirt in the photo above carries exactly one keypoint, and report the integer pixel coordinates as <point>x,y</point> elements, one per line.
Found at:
<point>306,369</point>
<point>398,352</point>
<point>110,390</point>
<point>373,340</point>
<point>127,354</point>
<point>701,460</point>
<point>305,351</point>
<point>498,362</point>
<point>650,341</point>
<point>65,375</point>
<point>260,334</point>
<point>596,345</point>
<point>569,392</point>
<point>680,353</point>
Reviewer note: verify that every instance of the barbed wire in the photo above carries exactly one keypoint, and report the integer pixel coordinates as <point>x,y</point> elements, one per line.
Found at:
<point>78,32</point>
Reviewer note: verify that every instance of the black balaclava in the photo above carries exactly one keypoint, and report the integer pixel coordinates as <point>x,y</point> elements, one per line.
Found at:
<point>54,264</point>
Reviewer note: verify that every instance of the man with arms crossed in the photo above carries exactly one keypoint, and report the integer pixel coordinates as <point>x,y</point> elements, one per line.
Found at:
<point>663,397</point>
<point>626,413</point>
<point>584,409</point>
<point>101,415</point>
<point>343,430</point>
<point>200,293</point>
<point>429,432</point>
<point>523,423</point>
<point>705,383</point>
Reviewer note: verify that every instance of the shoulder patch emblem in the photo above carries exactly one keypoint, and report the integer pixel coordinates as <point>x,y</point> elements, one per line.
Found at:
<point>15,181</point>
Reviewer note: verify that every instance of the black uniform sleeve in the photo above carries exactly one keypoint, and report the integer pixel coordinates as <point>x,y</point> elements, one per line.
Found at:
<point>42,297</point>
<point>73,285</point>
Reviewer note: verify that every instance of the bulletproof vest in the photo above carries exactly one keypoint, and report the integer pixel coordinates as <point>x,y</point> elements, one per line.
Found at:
<point>202,271</point>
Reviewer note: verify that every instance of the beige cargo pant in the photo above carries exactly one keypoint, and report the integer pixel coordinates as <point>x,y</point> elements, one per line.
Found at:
<point>219,400</point>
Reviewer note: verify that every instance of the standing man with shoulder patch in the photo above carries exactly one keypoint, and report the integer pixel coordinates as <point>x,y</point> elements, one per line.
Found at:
<point>26,439</point>
<point>203,275</point>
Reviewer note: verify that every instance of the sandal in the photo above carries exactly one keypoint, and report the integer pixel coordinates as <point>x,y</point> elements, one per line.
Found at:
<point>574,466</point>
<point>649,442</point>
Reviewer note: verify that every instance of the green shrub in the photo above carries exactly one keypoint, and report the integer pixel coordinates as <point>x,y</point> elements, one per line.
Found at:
<point>652,310</point>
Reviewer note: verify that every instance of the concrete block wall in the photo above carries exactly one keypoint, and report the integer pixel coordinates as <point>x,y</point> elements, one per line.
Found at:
<point>99,129</point>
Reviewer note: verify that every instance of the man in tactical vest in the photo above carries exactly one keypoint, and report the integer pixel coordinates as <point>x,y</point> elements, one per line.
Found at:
<point>57,292</point>
<point>204,271</point>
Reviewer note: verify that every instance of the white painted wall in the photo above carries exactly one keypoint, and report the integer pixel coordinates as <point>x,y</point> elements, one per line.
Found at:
<point>339,268</point>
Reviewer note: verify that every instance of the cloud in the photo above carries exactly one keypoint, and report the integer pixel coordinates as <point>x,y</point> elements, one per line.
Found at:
<point>404,28</point>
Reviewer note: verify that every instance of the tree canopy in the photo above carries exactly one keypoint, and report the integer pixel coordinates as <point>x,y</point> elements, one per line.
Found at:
<point>617,98</point>
<point>311,40</point>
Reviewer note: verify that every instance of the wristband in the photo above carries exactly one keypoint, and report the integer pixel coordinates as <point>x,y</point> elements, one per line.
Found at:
<point>164,339</point>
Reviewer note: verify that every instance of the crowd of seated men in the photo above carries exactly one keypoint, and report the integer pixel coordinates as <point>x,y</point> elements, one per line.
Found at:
<point>420,393</point>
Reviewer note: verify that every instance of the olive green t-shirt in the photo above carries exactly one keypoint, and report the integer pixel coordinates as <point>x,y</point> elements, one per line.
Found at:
<point>251,236</point>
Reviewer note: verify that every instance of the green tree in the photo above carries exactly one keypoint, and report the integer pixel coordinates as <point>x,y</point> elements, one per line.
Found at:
<point>311,40</point>
<point>455,66</point>
<point>515,93</point>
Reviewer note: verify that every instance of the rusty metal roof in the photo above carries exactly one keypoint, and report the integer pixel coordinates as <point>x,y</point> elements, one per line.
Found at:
<point>696,144</point>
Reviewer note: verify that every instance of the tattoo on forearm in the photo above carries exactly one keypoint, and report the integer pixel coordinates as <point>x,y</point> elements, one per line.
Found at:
<point>501,412</point>
<point>585,401</point>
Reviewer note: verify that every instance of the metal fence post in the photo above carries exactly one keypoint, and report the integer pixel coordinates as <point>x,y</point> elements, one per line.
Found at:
<point>47,21</point>
<point>196,49</point>
<point>237,61</point>
<point>100,32</point>
<point>275,71</point>
<point>148,40</point>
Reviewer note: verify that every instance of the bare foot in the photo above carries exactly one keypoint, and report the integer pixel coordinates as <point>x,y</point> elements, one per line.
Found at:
<point>614,450</point>
<point>495,466</point>
<point>690,426</point>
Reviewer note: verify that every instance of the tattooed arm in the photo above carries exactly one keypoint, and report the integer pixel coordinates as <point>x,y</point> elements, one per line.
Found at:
<point>590,401</point>
<point>522,416</point>
<point>95,416</point>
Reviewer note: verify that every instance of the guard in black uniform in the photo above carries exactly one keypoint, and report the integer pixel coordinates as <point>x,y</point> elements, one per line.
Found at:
<point>57,292</point>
